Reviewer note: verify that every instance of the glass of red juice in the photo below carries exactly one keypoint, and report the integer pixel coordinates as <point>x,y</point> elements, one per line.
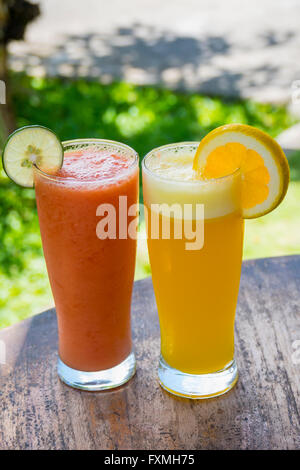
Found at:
<point>88,221</point>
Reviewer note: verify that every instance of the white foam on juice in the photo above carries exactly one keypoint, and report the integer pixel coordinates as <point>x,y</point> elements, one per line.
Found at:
<point>169,178</point>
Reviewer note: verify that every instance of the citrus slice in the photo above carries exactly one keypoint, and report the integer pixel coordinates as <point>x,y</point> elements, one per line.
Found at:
<point>263,165</point>
<point>31,145</point>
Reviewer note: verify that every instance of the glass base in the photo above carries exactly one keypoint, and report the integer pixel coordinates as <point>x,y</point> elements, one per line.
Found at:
<point>100,380</point>
<point>197,386</point>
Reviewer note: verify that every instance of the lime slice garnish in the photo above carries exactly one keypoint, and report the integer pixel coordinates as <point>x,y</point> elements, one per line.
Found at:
<point>31,145</point>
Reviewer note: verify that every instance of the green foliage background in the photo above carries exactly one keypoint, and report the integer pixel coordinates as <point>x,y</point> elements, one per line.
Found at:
<point>143,117</point>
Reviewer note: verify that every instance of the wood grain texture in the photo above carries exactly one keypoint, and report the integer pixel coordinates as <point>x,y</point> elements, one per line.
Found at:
<point>261,412</point>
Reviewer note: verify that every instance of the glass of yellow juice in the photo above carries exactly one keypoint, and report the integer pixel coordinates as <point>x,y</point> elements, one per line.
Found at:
<point>195,241</point>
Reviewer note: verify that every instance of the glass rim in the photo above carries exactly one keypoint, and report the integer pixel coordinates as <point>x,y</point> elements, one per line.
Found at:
<point>180,181</point>
<point>89,141</point>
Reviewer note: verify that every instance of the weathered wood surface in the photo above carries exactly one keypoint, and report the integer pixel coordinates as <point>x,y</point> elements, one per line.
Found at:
<point>261,412</point>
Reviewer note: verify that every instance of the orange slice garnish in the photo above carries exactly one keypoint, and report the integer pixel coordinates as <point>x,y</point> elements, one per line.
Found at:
<point>263,165</point>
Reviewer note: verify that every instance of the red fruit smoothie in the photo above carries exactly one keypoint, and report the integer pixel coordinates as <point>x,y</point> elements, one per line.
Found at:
<point>91,278</point>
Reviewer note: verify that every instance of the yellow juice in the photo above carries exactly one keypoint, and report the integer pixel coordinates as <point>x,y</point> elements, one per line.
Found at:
<point>196,290</point>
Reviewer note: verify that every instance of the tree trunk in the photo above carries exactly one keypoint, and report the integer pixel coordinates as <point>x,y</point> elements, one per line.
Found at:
<point>7,118</point>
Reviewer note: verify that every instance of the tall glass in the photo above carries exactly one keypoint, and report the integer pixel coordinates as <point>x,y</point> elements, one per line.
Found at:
<point>91,272</point>
<point>196,280</point>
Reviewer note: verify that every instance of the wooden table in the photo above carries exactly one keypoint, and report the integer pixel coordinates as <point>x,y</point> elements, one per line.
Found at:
<point>261,412</point>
